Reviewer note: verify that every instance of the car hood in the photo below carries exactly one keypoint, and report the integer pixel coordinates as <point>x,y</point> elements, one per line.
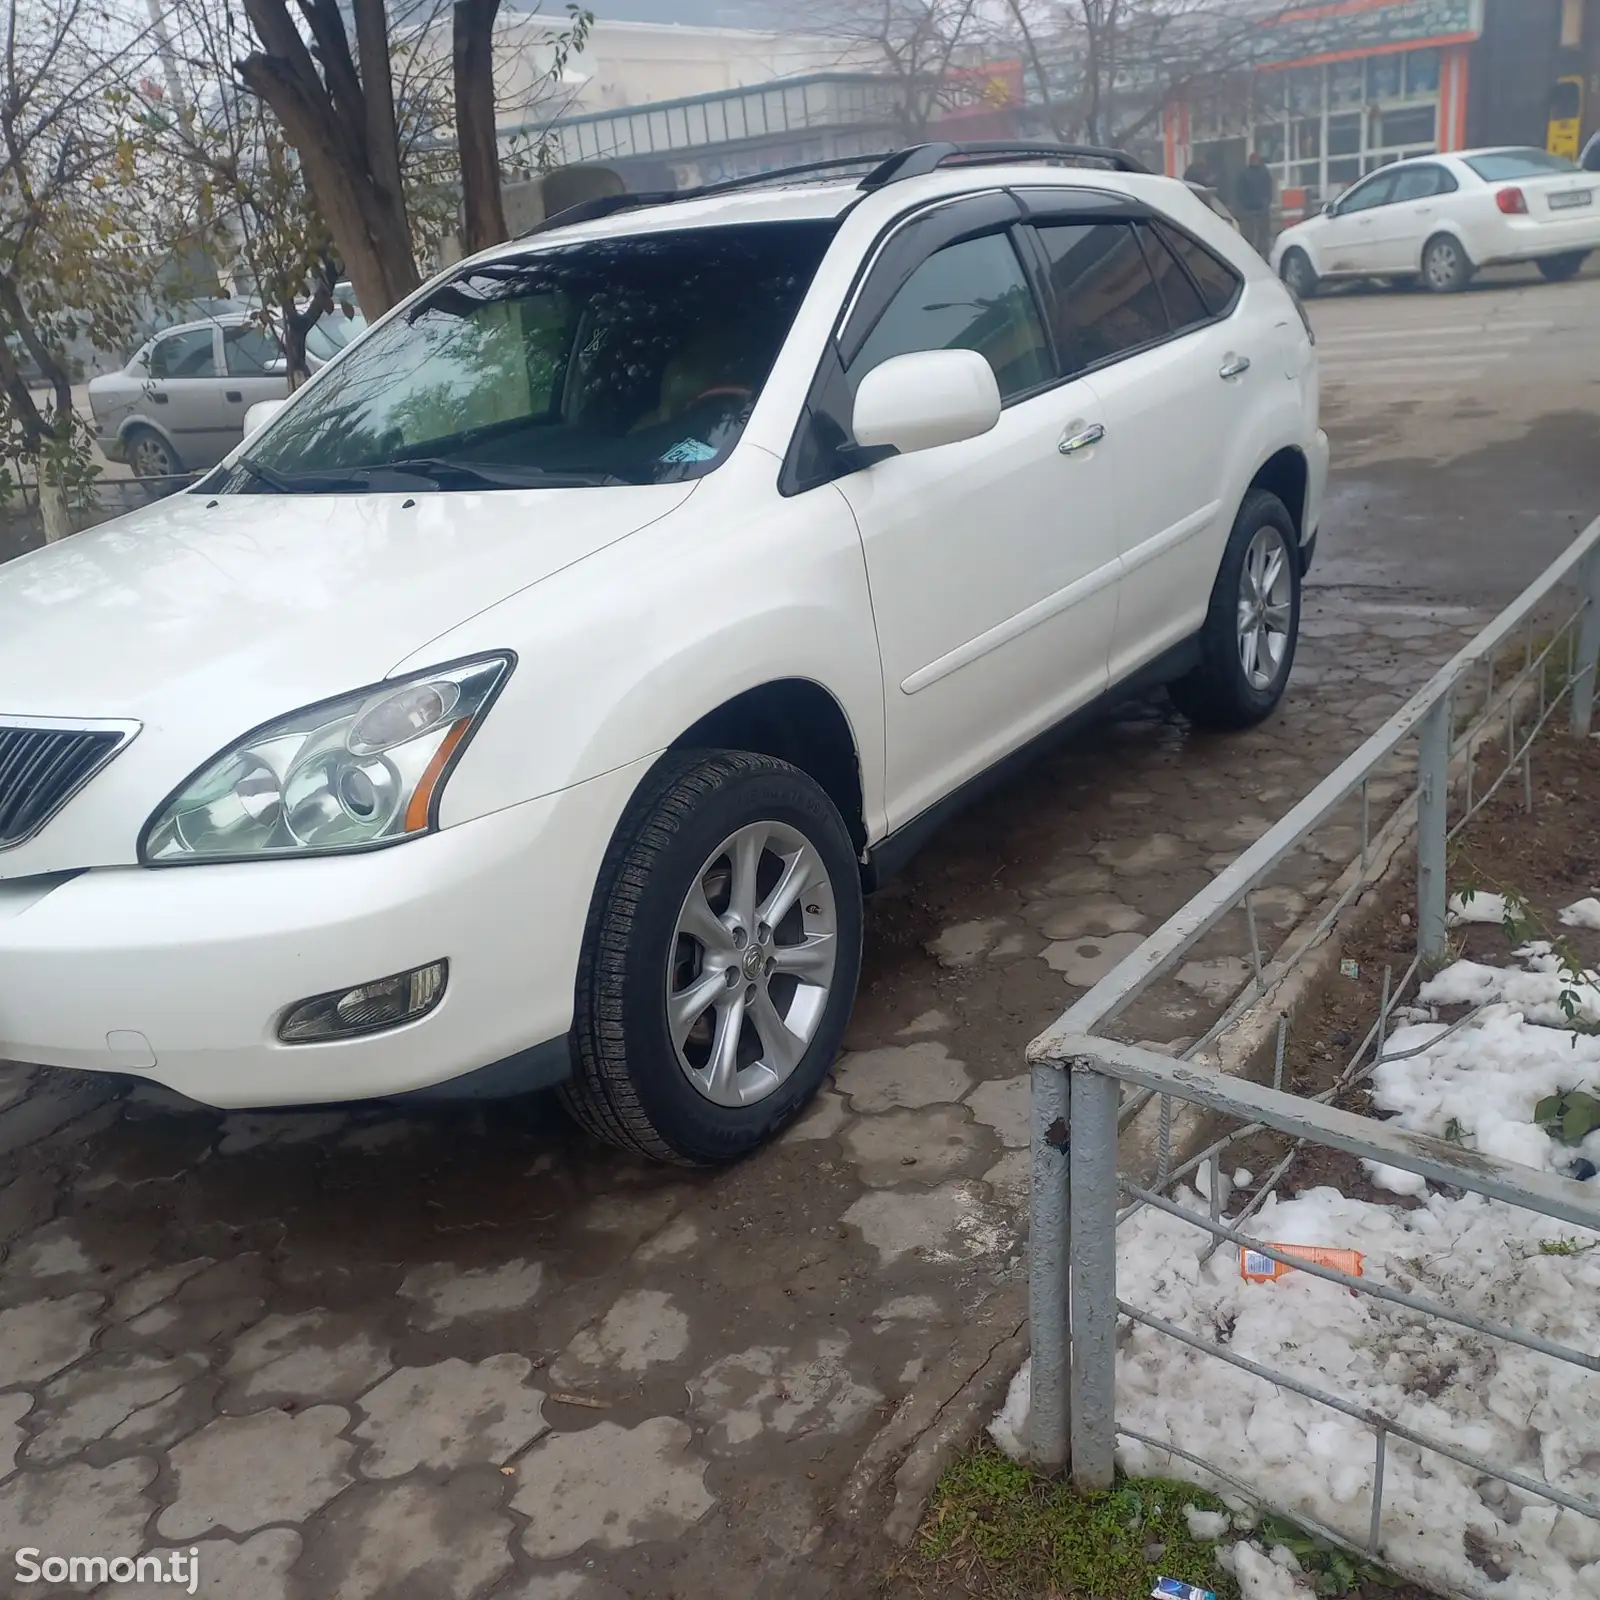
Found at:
<point>271,601</point>
<point>201,617</point>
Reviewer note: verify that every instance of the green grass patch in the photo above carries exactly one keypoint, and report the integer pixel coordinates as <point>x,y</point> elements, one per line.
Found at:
<point>1001,1531</point>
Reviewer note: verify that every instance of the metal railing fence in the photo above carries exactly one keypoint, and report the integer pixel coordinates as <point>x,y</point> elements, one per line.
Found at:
<point>1474,725</point>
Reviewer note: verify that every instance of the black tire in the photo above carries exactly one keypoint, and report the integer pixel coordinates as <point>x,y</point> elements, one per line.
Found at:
<point>1219,693</point>
<point>1558,269</point>
<point>628,1086</point>
<point>1296,270</point>
<point>1446,266</point>
<point>154,461</point>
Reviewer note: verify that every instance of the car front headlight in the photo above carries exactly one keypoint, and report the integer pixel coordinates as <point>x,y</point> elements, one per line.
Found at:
<point>366,769</point>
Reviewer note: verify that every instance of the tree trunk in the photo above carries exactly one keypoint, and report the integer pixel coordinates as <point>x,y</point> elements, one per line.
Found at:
<point>377,89</point>
<point>484,216</point>
<point>54,510</point>
<point>333,125</point>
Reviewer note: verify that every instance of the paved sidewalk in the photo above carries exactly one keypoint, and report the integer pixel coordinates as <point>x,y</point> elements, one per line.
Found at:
<point>462,1354</point>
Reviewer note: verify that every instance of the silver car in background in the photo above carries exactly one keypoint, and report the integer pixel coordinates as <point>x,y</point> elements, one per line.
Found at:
<point>179,404</point>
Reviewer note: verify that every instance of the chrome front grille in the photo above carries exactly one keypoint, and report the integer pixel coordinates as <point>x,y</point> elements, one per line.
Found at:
<point>42,765</point>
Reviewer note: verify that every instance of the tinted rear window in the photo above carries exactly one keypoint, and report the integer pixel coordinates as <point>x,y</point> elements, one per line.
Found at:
<point>1219,283</point>
<point>1530,163</point>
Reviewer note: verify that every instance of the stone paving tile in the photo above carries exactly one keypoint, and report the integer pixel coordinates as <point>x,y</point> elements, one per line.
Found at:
<point>435,1353</point>
<point>611,1486</point>
<point>418,1539</point>
<point>240,1473</point>
<point>451,1415</point>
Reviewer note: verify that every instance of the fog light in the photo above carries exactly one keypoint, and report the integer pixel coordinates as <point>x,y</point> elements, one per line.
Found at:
<point>367,1008</point>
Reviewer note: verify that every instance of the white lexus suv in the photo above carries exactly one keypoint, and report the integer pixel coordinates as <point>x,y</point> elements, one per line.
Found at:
<point>533,698</point>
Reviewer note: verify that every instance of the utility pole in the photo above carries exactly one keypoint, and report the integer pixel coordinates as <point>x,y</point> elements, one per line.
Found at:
<point>169,59</point>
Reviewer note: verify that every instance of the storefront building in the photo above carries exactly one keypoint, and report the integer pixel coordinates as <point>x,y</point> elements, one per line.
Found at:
<point>1334,92</point>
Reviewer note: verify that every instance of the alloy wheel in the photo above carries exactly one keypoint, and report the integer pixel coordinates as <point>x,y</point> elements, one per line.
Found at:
<point>1441,265</point>
<point>150,458</point>
<point>1266,608</point>
<point>752,963</point>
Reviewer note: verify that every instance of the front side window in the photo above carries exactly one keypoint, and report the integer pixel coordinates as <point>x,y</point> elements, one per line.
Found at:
<point>1500,165</point>
<point>634,359</point>
<point>972,295</point>
<point>1106,302</point>
<point>184,355</point>
<point>1377,192</point>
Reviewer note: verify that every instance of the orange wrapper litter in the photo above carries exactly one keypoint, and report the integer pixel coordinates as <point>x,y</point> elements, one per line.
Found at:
<point>1257,1268</point>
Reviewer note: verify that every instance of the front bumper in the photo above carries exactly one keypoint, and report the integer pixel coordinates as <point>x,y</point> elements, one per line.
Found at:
<point>179,975</point>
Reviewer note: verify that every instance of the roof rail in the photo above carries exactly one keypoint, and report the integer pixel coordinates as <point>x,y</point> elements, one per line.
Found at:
<point>605,205</point>
<point>921,159</point>
<point>602,205</point>
<point>888,166</point>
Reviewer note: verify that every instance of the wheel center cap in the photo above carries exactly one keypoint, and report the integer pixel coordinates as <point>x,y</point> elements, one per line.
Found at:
<point>753,962</point>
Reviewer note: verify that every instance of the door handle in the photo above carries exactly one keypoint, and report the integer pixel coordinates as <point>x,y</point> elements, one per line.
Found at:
<point>1235,367</point>
<point>1072,443</point>
<point>233,395</point>
<point>159,398</point>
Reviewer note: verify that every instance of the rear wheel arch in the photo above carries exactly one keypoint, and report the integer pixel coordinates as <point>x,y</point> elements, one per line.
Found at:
<point>1286,474</point>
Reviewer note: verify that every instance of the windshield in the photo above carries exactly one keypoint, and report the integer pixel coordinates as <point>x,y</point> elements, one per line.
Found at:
<point>1499,165</point>
<point>333,330</point>
<point>633,360</point>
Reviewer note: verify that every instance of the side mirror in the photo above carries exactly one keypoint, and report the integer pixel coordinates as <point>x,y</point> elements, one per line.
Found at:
<point>1330,208</point>
<point>260,414</point>
<point>277,366</point>
<point>925,399</point>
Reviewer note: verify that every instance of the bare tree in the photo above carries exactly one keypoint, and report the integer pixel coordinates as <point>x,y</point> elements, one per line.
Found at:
<point>911,44</point>
<point>79,231</point>
<point>1107,69</point>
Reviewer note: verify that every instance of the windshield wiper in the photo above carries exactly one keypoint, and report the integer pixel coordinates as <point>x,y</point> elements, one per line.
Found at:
<point>301,482</point>
<point>488,475</point>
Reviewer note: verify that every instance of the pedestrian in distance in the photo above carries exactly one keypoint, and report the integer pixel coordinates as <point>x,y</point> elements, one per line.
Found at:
<point>1256,195</point>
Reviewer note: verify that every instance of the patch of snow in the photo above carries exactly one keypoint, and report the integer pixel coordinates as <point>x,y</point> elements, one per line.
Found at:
<point>1395,1179</point>
<point>1519,1409</point>
<point>1585,914</point>
<point>1481,1084</point>
<point>1243,1178</point>
<point>1481,907</point>
<point>1261,1578</point>
<point>1535,990</point>
<point>1206,1524</point>
<point>1009,1430</point>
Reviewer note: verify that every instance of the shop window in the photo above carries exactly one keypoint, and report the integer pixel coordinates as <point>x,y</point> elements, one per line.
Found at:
<point>1308,139</point>
<point>1422,72</point>
<point>1347,83</point>
<point>1416,125</point>
<point>1344,172</point>
<point>1386,77</point>
<point>1269,141</point>
<point>1305,91</point>
<point>1344,134</point>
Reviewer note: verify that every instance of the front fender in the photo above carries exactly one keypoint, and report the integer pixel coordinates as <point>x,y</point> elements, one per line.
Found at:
<point>619,654</point>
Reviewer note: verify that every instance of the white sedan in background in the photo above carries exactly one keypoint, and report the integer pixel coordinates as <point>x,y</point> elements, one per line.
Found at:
<point>1438,219</point>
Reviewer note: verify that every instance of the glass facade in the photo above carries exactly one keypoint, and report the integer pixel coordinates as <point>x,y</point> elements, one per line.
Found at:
<point>1323,127</point>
